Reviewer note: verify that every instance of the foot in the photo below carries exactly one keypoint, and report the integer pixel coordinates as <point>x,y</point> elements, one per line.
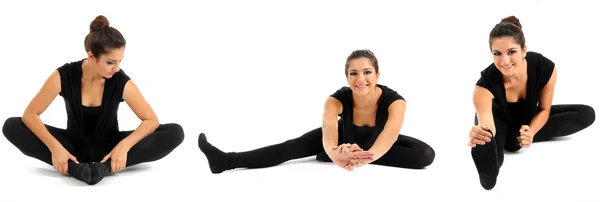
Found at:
<point>218,160</point>
<point>486,160</point>
<point>99,171</point>
<point>81,171</point>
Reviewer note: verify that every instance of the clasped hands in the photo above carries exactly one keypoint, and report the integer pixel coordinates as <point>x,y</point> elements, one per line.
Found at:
<point>350,156</point>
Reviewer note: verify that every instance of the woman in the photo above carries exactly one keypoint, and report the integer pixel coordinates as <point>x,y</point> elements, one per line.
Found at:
<point>371,118</point>
<point>92,146</point>
<point>506,99</point>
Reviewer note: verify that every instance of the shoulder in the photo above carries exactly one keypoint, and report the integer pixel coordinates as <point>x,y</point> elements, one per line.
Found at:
<point>69,72</point>
<point>120,78</point>
<point>122,84</point>
<point>539,62</point>
<point>390,98</point>
<point>389,94</point>
<point>121,75</point>
<point>534,56</point>
<point>489,72</point>
<point>540,65</point>
<point>70,68</point>
<point>490,78</point>
<point>342,94</point>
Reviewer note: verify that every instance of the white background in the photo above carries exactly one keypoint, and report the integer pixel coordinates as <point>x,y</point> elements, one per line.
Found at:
<point>254,73</point>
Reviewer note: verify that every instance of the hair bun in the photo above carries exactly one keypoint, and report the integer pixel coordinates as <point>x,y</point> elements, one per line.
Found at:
<point>513,20</point>
<point>99,23</point>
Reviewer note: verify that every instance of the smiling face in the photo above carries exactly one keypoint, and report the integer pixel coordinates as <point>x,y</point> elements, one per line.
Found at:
<point>107,64</point>
<point>362,76</point>
<point>508,55</point>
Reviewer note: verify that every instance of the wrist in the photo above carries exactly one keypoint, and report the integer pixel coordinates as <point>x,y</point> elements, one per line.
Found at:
<point>328,147</point>
<point>376,155</point>
<point>331,154</point>
<point>125,144</point>
<point>55,146</point>
<point>533,130</point>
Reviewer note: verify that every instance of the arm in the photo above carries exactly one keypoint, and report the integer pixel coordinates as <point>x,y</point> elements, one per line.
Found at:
<point>542,116</point>
<point>482,100</point>
<point>39,104</point>
<point>390,132</point>
<point>141,108</point>
<point>333,107</point>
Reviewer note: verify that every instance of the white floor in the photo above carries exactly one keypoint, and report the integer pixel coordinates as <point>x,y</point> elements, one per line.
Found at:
<point>254,74</point>
<point>557,171</point>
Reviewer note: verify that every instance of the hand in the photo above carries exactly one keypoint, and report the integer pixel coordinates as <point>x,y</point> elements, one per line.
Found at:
<point>347,155</point>
<point>526,137</point>
<point>60,159</point>
<point>343,156</point>
<point>118,158</point>
<point>479,135</point>
<point>347,148</point>
<point>357,161</point>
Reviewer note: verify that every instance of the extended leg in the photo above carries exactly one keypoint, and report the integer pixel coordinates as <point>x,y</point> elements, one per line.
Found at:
<point>488,158</point>
<point>306,145</point>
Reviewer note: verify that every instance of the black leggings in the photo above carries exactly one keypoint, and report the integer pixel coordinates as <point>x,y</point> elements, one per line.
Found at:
<point>154,147</point>
<point>564,120</point>
<point>407,152</point>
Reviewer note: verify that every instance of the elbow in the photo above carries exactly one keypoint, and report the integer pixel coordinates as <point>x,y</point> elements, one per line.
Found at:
<point>155,124</point>
<point>328,124</point>
<point>152,123</point>
<point>28,115</point>
<point>547,110</point>
<point>544,111</point>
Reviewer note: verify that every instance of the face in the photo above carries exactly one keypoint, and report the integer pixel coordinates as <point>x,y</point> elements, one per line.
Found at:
<point>362,78</point>
<point>107,64</point>
<point>508,55</point>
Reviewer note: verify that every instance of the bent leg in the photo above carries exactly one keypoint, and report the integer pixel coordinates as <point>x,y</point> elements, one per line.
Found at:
<point>156,145</point>
<point>17,133</point>
<point>408,152</point>
<point>29,144</point>
<point>565,120</point>
<point>153,147</point>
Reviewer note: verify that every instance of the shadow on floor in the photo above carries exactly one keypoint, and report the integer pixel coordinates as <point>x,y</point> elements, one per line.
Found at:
<point>51,172</point>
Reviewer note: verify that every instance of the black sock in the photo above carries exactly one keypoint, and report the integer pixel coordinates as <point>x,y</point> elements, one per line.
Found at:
<point>218,160</point>
<point>99,171</point>
<point>486,161</point>
<point>80,171</point>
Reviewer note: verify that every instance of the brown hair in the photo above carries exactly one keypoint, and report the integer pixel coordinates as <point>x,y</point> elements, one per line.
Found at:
<point>102,37</point>
<point>509,26</point>
<point>362,53</point>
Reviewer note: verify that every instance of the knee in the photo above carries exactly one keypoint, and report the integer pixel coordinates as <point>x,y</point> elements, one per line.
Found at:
<point>165,139</point>
<point>174,133</point>
<point>10,126</point>
<point>427,158</point>
<point>588,114</point>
